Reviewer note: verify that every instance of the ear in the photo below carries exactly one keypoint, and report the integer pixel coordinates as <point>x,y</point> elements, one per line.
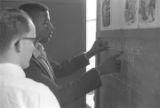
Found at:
<point>17,45</point>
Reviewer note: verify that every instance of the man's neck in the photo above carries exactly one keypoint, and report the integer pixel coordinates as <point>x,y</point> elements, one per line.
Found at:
<point>9,58</point>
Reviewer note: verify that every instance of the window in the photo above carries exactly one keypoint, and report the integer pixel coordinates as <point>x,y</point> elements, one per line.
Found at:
<point>90,38</point>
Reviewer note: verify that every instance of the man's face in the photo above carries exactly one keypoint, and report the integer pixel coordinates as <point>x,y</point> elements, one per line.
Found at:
<point>28,46</point>
<point>44,27</point>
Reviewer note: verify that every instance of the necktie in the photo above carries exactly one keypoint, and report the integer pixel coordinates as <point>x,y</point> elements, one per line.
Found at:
<point>41,57</point>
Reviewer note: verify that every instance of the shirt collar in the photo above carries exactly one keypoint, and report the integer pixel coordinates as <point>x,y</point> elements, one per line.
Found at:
<point>11,69</point>
<point>39,51</point>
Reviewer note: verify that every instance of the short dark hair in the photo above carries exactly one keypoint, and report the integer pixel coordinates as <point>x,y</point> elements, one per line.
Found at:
<point>33,9</point>
<point>13,23</point>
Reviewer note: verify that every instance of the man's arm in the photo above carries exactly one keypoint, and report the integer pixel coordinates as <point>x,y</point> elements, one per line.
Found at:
<point>80,87</point>
<point>69,92</point>
<point>68,67</point>
<point>90,80</point>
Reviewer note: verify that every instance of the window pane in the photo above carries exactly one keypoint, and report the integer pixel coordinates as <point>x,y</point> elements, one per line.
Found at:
<point>91,36</point>
<point>91,9</point>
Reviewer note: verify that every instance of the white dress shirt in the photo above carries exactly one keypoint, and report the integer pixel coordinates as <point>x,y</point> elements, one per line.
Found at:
<point>17,91</point>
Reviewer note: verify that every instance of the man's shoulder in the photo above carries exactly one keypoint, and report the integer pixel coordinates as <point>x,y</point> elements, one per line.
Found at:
<point>29,91</point>
<point>29,85</point>
<point>34,86</point>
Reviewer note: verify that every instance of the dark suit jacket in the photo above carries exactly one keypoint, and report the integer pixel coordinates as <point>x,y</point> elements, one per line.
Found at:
<point>71,91</point>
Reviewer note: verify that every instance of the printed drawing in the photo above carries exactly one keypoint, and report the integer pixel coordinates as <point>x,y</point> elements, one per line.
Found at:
<point>130,11</point>
<point>106,13</point>
<point>147,11</point>
<point>128,14</point>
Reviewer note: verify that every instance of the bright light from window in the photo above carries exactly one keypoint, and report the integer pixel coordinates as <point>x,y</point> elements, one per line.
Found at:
<point>91,27</point>
<point>90,37</point>
<point>91,9</point>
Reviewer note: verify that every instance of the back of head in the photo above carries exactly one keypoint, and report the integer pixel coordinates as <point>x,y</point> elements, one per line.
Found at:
<point>13,23</point>
<point>33,9</point>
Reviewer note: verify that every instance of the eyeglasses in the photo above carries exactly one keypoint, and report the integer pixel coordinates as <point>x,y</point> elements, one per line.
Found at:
<point>34,40</point>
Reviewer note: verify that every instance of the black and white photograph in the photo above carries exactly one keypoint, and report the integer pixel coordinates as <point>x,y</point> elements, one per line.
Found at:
<point>79,53</point>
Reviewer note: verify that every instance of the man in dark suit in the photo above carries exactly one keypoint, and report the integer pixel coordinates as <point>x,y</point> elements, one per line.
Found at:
<point>42,70</point>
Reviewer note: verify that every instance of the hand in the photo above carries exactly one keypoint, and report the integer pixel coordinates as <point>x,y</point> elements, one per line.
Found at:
<point>98,46</point>
<point>110,65</point>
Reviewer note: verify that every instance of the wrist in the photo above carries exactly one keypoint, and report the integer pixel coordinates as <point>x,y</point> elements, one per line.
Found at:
<point>89,54</point>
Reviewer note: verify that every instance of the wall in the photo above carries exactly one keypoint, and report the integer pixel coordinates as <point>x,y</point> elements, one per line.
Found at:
<point>68,18</point>
<point>137,83</point>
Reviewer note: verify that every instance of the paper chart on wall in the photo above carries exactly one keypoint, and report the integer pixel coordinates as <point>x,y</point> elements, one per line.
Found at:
<point>149,13</point>
<point>130,14</point>
<point>109,14</point>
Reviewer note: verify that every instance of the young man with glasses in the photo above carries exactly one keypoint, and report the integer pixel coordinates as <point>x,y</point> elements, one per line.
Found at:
<point>17,38</point>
